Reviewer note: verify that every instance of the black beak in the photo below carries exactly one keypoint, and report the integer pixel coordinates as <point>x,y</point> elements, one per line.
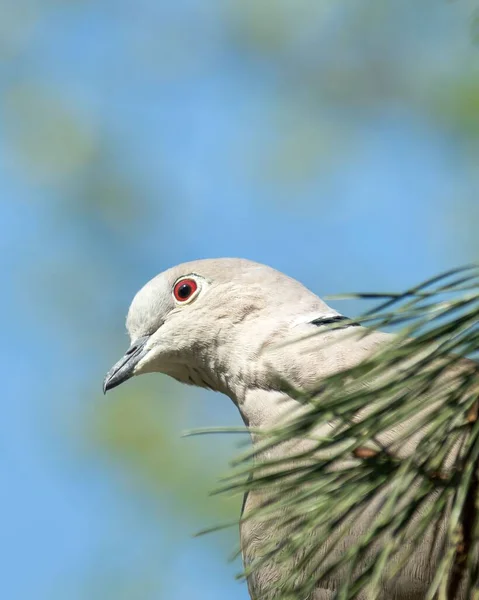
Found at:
<point>123,369</point>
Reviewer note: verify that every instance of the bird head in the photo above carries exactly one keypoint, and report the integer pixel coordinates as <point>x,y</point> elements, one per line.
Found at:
<point>194,321</point>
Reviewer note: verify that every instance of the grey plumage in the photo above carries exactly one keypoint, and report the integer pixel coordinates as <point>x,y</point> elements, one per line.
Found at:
<point>232,335</point>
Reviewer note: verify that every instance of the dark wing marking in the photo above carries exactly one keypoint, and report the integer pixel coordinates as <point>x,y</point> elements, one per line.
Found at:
<point>334,319</point>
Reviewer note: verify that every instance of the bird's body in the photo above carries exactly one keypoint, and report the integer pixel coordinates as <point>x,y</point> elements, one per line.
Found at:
<point>334,351</point>
<point>229,325</point>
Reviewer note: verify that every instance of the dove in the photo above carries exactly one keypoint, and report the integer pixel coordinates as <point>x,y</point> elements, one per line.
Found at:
<point>242,329</point>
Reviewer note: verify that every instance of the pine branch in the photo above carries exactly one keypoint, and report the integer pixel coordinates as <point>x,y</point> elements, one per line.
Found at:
<point>424,384</point>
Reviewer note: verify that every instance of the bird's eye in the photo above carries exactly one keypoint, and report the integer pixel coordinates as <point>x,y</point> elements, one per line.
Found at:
<point>184,289</point>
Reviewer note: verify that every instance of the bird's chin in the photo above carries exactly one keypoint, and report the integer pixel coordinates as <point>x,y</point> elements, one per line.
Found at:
<point>150,364</point>
<point>164,363</point>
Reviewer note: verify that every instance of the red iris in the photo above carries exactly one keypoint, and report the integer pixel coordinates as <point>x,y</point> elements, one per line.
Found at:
<point>184,289</point>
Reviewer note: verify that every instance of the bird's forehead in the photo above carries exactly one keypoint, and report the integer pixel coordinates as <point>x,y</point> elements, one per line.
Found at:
<point>149,306</point>
<point>227,270</point>
<point>153,302</point>
<point>217,269</point>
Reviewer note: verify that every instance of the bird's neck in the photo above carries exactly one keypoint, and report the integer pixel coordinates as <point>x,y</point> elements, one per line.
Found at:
<point>265,409</point>
<point>248,365</point>
<point>247,380</point>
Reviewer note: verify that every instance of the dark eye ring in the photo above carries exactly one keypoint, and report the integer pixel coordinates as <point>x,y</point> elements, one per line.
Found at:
<point>184,289</point>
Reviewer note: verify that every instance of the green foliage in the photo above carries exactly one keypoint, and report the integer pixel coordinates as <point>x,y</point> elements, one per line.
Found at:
<point>141,432</point>
<point>420,386</point>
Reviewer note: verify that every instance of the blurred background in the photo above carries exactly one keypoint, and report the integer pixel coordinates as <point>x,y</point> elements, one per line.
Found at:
<point>336,141</point>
